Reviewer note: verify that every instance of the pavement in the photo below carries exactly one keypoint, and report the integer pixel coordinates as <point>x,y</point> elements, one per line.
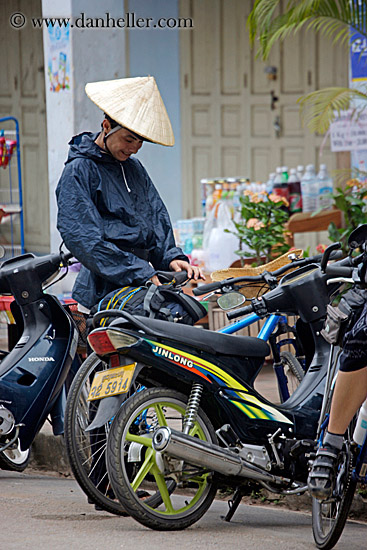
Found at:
<point>43,512</point>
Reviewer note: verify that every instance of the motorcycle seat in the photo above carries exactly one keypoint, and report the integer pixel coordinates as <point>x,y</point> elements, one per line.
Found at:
<point>206,340</point>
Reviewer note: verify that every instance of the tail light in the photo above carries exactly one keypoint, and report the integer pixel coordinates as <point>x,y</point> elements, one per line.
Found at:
<point>106,341</point>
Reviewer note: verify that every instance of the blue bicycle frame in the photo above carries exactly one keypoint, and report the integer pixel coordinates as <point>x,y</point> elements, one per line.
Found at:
<point>265,333</point>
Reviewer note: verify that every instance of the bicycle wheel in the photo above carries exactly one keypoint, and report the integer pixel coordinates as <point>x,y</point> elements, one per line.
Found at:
<point>14,459</point>
<point>292,370</point>
<point>86,450</point>
<point>133,465</point>
<point>329,517</point>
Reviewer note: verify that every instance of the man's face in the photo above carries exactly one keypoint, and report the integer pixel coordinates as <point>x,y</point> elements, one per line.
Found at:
<point>122,144</point>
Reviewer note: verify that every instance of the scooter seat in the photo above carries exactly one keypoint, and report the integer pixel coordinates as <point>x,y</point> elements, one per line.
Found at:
<point>207,340</point>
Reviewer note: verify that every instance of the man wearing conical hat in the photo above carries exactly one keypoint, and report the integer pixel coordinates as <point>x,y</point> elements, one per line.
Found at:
<point>110,215</point>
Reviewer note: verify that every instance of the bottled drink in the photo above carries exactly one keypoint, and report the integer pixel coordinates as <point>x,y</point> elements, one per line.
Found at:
<point>280,187</point>
<point>217,194</point>
<point>325,188</point>
<point>309,189</point>
<point>269,184</point>
<point>300,171</point>
<point>285,174</point>
<point>361,427</point>
<point>295,197</point>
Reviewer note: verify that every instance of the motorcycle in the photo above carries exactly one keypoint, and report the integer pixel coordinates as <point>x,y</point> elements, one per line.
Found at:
<point>200,423</point>
<point>87,422</point>
<point>33,374</point>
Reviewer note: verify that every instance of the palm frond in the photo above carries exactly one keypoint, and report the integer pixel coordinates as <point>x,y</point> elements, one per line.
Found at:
<point>332,18</point>
<point>318,108</point>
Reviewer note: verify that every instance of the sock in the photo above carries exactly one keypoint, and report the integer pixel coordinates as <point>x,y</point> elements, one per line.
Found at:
<point>334,440</point>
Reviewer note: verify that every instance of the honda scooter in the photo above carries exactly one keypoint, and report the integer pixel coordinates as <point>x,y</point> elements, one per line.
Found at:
<point>33,374</point>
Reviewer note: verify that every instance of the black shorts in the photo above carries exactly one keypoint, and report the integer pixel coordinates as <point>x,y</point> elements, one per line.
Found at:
<point>354,354</point>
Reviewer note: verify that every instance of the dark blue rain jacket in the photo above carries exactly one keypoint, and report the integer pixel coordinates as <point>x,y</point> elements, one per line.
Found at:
<point>98,218</point>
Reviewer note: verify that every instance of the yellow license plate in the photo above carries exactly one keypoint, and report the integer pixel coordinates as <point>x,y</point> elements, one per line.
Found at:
<point>111,382</point>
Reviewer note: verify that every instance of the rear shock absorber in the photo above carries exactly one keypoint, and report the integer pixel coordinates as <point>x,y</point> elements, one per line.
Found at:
<point>192,407</point>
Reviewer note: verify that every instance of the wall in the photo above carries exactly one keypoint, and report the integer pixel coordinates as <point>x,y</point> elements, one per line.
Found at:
<point>156,52</point>
<point>95,54</point>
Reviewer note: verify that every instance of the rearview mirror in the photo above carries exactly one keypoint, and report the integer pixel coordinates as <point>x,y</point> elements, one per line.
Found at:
<point>358,237</point>
<point>231,300</point>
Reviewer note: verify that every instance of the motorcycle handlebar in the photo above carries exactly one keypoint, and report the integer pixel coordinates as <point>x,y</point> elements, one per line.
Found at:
<point>241,311</point>
<point>231,282</point>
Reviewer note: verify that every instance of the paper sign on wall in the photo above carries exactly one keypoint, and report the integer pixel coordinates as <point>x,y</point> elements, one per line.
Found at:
<point>58,54</point>
<point>349,132</point>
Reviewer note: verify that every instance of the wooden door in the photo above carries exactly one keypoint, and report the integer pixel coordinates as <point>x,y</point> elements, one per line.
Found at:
<point>22,95</point>
<point>228,124</point>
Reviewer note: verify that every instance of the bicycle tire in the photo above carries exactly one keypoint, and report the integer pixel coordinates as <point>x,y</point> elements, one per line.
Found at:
<point>333,513</point>
<point>292,370</point>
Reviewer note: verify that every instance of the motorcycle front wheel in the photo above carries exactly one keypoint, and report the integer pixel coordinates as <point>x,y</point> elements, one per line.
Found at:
<point>329,516</point>
<point>134,467</point>
<point>14,459</point>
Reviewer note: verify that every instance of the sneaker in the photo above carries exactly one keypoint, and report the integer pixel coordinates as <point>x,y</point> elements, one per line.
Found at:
<point>321,479</point>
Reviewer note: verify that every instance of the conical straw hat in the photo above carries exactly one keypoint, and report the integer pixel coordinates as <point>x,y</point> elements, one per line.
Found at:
<point>136,104</point>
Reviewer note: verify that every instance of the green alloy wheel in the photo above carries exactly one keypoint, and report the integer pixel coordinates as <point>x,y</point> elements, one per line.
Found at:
<point>134,466</point>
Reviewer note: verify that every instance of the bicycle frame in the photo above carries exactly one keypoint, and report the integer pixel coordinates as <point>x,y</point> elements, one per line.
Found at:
<point>265,334</point>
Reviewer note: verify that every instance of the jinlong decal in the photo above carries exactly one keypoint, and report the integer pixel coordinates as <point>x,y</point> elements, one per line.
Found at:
<point>175,357</point>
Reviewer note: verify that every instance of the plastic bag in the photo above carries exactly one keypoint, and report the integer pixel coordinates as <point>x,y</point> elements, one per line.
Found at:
<point>219,245</point>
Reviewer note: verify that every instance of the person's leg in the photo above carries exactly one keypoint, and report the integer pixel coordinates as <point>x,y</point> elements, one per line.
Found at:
<point>349,394</point>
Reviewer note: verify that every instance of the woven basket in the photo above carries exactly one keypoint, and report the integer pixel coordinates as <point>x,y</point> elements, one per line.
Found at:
<point>252,291</point>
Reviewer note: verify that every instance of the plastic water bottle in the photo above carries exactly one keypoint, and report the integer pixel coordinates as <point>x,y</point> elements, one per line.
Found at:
<point>300,171</point>
<point>309,189</point>
<point>295,197</point>
<point>325,188</point>
<point>269,184</point>
<point>361,427</point>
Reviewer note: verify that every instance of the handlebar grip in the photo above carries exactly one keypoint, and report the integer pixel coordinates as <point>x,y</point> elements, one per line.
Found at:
<point>204,289</point>
<point>339,271</point>
<point>240,312</point>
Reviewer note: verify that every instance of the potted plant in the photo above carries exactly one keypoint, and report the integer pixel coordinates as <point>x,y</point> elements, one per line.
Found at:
<point>260,227</point>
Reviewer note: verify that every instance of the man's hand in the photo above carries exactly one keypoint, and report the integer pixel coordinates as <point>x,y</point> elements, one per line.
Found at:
<point>155,280</point>
<point>193,272</point>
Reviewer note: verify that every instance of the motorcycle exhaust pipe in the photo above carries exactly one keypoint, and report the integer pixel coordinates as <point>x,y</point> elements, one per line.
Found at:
<point>207,455</point>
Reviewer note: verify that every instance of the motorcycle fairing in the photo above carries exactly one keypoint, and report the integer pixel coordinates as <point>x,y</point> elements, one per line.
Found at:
<point>238,394</point>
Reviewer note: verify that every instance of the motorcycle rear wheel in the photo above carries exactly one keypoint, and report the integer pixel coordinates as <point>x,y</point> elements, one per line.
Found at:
<point>329,517</point>
<point>86,450</point>
<point>133,464</point>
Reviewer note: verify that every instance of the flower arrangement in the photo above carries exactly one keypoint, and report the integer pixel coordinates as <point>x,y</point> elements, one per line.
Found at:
<point>260,226</point>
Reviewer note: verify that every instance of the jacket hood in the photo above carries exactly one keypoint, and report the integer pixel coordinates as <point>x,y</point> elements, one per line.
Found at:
<point>83,146</point>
